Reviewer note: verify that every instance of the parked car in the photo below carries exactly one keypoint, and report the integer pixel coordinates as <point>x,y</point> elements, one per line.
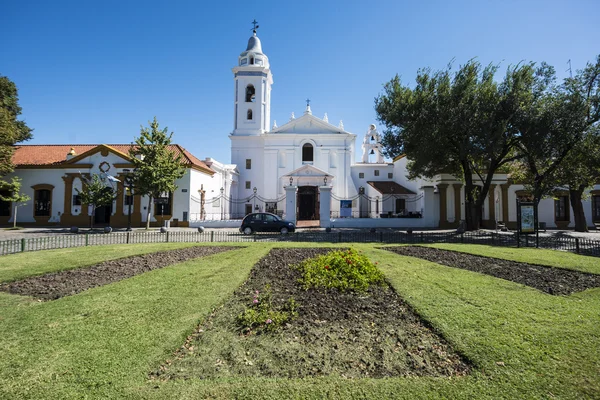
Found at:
<point>265,222</point>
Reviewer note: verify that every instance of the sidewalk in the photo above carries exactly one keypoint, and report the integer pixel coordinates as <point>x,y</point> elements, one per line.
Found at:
<point>29,233</point>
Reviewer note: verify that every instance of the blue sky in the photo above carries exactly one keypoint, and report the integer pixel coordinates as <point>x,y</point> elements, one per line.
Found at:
<point>93,72</point>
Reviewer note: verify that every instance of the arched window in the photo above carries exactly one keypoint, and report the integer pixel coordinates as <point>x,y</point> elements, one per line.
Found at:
<point>307,152</point>
<point>250,91</point>
<point>42,203</point>
<point>251,60</point>
<point>249,115</point>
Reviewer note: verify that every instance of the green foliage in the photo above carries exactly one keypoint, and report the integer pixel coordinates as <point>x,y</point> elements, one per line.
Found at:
<point>261,315</point>
<point>12,130</point>
<point>156,166</point>
<point>341,269</point>
<point>14,189</point>
<point>467,114</point>
<point>553,123</point>
<point>96,193</point>
<point>15,196</point>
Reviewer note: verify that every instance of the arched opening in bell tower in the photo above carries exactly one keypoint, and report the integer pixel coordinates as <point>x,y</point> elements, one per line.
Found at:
<point>250,94</point>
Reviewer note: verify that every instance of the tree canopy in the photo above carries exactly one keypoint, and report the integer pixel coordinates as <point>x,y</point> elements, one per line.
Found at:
<point>12,130</point>
<point>156,166</point>
<point>459,123</point>
<point>559,132</point>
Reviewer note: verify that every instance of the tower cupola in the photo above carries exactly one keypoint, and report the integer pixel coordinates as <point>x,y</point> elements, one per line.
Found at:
<point>253,56</point>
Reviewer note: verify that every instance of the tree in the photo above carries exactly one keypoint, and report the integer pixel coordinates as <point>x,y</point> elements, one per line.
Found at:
<point>580,171</point>
<point>156,166</point>
<point>95,193</point>
<point>557,125</point>
<point>460,123</point>
<point>12,130</point>
<point>13,188</point>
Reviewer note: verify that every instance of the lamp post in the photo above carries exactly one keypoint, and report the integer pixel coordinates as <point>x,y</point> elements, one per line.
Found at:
<point>291,180</point>
<point>129,192</point>
<point>254,199</point>
<point>393,200</point>
<point>222,213</point>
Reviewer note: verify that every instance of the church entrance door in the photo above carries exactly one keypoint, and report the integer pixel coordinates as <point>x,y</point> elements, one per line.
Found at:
<point>308,203</point>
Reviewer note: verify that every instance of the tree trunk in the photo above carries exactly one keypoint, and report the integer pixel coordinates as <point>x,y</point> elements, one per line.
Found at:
<point>92,217</point>
<point>149,212</point>
<point>15,220</point>
<point>575,196</point>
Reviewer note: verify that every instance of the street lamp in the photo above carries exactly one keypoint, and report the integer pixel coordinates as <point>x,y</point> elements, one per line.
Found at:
<point>129,193</point>
<point>254,198</point>
<point>222,213</point>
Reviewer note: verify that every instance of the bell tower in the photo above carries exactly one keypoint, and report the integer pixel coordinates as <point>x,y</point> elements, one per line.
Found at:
<point>253,80</point>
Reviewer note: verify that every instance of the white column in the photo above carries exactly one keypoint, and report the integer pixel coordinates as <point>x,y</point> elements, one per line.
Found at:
<point>290,203</point>
<point>325,206</point>
<point>430,211</point>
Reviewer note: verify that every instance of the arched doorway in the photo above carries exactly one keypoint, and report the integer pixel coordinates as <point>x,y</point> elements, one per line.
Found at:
<point>308,203</point>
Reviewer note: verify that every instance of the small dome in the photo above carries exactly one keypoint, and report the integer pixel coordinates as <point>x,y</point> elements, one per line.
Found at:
<point>254,45</point>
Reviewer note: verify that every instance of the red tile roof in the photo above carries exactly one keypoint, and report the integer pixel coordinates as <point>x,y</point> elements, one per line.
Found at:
<point>389,187</point>
<point>56,154</point>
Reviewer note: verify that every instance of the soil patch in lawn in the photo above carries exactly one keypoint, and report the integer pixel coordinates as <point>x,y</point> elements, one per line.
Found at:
<point>556,281</point>
<point>66,283</point>
<point>353,335</point>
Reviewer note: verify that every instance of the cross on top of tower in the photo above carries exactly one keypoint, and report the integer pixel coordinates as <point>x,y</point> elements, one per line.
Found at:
<point>307,102</point>
<point>254,25</point>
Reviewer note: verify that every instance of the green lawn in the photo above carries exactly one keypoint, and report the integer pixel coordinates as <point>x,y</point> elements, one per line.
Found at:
<point>102,343</point>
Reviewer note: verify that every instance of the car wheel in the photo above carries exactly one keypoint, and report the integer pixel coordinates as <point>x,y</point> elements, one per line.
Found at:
<point>284,230</point>
<point>247,230</point>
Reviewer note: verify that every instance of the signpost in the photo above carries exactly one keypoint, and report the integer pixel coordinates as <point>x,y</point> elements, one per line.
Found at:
<point>527,219</point>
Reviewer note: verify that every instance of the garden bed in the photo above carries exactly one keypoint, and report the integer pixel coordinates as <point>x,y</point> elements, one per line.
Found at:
<point>66,283</point>
<point>347,334</point>
<point>555,281</point>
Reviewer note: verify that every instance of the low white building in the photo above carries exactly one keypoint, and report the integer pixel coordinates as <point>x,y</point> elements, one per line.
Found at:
<point>51,174</point>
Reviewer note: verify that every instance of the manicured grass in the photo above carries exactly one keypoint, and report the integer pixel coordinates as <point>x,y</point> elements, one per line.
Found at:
<point>21,265</point>
<point>102,343</point>
<point>551,258</point>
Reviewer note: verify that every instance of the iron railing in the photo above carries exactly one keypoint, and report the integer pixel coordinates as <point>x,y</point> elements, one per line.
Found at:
<point>577,245</point>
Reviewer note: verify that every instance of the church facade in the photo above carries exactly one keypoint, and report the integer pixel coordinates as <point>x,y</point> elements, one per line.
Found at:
<point>303,170</point>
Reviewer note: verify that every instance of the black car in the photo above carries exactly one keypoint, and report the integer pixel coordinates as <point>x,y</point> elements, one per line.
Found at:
<point>265,222</point>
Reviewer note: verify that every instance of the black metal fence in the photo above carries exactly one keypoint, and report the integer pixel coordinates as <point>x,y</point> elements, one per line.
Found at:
<point>576,245</point>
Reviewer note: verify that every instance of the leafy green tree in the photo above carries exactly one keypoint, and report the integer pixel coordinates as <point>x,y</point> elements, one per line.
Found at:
<point>12,130</point>
<point>557,125</point>
<point>458,123</point>
<point>95,193</point>
<point>580,171</point>
<point>156,166</point>
<point>13,188</point>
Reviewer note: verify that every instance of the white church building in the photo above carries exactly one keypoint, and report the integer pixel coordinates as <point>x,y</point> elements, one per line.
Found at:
<point>303,170</point>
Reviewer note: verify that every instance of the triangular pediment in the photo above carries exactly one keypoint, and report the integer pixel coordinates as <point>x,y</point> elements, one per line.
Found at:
<point>307,171</point>
<point>103,148</point>
<point>308,124</point>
